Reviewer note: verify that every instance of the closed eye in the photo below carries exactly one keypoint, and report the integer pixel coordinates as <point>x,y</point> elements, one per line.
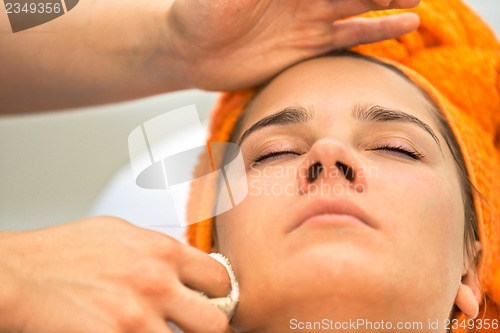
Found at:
<point>270,156</point>
<point>401,151</point>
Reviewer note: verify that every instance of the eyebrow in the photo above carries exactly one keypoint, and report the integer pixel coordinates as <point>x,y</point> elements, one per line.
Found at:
<point>376,113</point>
<point>288,116</point>
<point>363,113</point>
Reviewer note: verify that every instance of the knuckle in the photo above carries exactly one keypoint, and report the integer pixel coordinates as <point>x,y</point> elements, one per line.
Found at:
<point>165,289</point>
<point>165,286</point>
<point>145,272</point>
<point>132,316</point>
<point>159,283</point>
<point>151,277</point>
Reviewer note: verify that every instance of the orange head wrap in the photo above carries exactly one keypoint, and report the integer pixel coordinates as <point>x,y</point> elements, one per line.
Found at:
<point>455,57</point>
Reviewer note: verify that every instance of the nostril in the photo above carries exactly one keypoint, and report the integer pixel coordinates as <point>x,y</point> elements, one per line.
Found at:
<point>346,170</point>
<point>313,172</point>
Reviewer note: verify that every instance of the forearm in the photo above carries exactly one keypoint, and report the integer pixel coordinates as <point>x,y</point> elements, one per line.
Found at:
<point>89,56</point>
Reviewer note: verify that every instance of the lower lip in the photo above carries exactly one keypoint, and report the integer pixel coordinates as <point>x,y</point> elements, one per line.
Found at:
<point>333,220</point>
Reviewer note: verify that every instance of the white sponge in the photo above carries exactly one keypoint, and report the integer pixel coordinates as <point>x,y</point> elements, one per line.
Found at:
<point>227,304</point>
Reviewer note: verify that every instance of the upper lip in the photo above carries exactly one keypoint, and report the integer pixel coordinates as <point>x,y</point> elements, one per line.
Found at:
<point>337,206</point>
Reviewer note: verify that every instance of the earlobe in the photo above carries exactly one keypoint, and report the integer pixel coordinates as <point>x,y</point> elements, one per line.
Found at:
<point>467,301</point>
<point>469,293</point>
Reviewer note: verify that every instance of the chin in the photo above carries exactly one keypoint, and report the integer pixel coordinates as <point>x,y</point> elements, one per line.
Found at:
<point>333,276</point>
<point>319,283</point>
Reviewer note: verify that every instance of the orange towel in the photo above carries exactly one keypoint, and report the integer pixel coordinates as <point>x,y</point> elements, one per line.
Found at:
<point>455,57</point>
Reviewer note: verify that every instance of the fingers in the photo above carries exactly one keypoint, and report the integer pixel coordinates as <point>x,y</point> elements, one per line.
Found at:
<point>203,273</point>
<point>194,313</point>
<point>356,31</point>
<point>194,268</point>
<point>348,8</point>
<point>169,285</point>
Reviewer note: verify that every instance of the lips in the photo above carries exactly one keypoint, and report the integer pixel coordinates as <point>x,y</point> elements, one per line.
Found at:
<point>330,212</point>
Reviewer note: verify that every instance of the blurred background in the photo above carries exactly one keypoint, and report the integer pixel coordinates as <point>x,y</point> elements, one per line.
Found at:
<point>61,166</point>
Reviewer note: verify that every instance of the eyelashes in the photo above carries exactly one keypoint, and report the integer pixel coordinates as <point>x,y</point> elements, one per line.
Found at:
<point>273,155</point>
<point>392,149</point>
<point>400,150</point>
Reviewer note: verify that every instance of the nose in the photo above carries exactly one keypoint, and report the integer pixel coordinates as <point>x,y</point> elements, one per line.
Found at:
<point>330,161</point>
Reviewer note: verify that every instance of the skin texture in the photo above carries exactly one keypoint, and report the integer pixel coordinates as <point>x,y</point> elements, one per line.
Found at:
<point>406,266</point>
<point>115,50</point>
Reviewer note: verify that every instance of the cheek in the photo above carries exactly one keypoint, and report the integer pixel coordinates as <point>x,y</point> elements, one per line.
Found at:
<point>259,218</point>
<point>250,236</point>
<point>424,215</point>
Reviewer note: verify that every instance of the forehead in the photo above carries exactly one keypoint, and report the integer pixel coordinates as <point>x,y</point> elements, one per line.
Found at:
<point>331,86</point>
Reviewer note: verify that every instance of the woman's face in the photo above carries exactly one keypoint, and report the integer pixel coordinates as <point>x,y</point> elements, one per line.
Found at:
<point>356,214</point>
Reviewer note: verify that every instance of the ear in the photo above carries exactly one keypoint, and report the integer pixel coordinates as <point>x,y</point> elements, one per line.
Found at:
<point>469,292</point>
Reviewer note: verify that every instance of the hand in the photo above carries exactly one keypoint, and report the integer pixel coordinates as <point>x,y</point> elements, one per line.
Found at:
<point>105,275</point>
<point>229,45</point>
<point>115,50</point>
